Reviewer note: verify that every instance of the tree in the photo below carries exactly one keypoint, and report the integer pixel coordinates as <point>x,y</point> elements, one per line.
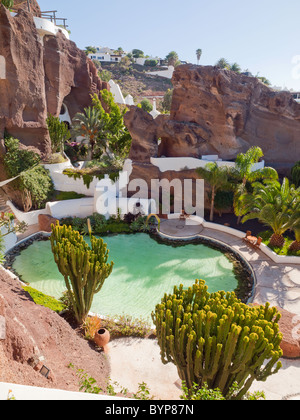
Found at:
<point>137,53</point>
<point>84,267</point>
<point>243,172</point>
<point>8,226</point>
<point>87,124</point>
<point>265,80</point>
<point>59,133</point>
<point>113,135</point>
<point>167,101</point>
<point>9,4</point>
<point>223,64</point>
<point>235,67</point>
<point>275,205</point>
<point>295,173</point>
<point>33,180</point>
<point>217,178</point>
<point>217,340</point>
<point>198,54</point>
<point>295,246</point>
<point>90,50</point>
<point>146,105</point>
<point>172,58</point>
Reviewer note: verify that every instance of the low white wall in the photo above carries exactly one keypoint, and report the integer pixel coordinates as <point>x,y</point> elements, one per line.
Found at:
<point>82,207</point>
<point>9,240</point>
<point>30,218</point>
<point>180,163</point>
<point>65,183</point>
<point>29,393</point>
<point>46,27</point>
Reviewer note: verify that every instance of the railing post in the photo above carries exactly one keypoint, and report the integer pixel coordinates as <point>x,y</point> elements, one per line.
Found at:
<point>28,4</point>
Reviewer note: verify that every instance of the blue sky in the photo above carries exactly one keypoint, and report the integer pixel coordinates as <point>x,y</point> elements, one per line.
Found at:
<point>261,35</point>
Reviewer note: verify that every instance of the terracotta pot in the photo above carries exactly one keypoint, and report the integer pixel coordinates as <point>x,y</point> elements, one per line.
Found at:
<point>102,338</point>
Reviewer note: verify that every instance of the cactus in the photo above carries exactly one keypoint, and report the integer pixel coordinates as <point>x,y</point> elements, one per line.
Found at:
<point>84,268</point>
<point>216,339</point>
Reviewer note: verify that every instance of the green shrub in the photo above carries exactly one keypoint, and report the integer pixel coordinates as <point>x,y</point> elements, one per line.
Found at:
<point>58,132</point>
<point>34,183</point>
<point>296,174</point>
<point>45,300</point>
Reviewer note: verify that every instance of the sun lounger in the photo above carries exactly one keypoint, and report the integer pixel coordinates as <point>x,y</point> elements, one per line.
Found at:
<point>252,240</point>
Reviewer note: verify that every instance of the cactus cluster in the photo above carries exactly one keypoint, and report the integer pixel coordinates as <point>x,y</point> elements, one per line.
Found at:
<point>217,340</point>
<point>84,267</point>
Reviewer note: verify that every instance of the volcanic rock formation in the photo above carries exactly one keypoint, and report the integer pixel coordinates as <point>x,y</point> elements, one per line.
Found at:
<point>37,75</point>
<point>222,113</point>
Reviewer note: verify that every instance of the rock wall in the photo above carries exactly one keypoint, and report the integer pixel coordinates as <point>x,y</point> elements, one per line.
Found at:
<point>220,112</point>
<point>40,74</point>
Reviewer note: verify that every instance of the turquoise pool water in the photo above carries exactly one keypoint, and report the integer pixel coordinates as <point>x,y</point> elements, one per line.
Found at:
<point>144,270</point>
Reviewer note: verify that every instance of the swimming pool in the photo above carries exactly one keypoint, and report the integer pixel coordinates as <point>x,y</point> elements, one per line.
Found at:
<point>144,271</point>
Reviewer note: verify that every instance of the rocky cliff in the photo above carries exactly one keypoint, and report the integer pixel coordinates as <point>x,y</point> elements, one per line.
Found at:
<point>220,112</point>
<point>37,75</point>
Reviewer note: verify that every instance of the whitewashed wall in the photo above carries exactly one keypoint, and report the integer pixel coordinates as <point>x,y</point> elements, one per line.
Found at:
<point>180,163</point>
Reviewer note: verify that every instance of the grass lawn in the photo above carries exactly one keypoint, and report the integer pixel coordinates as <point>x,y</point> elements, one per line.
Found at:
<point>44,300</point>
<point>266,236</point>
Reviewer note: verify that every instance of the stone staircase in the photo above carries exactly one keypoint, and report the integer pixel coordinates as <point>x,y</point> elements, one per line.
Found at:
<point>3,205</point>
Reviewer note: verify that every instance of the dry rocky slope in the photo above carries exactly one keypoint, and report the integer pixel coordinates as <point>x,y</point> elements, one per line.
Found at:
<point>32,332</point>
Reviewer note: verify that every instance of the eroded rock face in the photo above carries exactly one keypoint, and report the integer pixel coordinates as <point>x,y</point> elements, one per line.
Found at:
<point>37,76</point>
<point>220,112</point>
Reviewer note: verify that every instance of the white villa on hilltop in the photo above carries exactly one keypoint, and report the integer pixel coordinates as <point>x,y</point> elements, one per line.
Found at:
<point>107,55</point>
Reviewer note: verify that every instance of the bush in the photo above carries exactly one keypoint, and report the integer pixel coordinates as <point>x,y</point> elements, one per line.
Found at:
<point>59,133</point>
<point>296,175</point>
<point>34,183</point>
<point>151,63</point>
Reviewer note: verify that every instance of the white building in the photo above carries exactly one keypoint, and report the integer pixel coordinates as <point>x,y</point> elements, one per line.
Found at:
<point>107,55</point>
<point>116,92</point>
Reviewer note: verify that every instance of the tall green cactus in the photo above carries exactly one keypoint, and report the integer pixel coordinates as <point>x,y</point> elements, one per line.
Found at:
<point>216,339</point>
<point>84,268</point>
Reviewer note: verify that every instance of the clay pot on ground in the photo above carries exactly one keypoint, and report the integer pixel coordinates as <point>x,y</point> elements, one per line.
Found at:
<point>102,338</point>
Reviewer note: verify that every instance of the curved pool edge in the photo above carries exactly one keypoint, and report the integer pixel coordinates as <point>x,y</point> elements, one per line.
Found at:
<point>223,246</point>
<point>201,239</point>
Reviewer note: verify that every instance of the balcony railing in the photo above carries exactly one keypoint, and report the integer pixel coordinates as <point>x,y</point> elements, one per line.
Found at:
<point>49,15</point>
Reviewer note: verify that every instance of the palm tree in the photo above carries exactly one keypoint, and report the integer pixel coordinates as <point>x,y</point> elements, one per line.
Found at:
<point>274,205</point>
<point>172,58</point>
<point>235,67</point>
<point>295,246</point>
<point>217,178</point>
<point>243,172</point>
<point>223,64</point>
<point>88,125</point>
<point>198,54</point>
